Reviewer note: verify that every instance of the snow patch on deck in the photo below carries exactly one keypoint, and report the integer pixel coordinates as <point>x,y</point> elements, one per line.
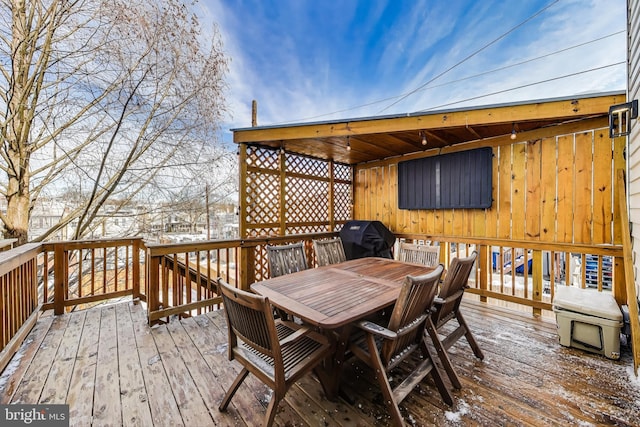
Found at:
<point>456,417</point>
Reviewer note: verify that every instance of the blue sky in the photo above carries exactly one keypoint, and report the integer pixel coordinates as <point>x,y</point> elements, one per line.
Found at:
<point>306,60</point>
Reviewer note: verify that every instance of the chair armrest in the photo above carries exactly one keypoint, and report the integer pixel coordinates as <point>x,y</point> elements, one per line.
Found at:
<point>440,301</point>
<point>375,329</point>
<point>299,333</point>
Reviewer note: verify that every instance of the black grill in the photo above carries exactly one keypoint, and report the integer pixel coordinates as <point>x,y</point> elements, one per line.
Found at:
<point>366,239</point>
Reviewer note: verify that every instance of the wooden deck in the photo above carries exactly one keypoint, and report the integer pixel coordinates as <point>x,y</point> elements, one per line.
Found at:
<point>112,369</point>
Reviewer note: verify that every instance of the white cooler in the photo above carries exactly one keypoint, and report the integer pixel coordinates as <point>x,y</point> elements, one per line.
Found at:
<point>588,320</point>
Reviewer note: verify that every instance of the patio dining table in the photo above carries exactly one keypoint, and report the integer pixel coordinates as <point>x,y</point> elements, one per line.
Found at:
<point>333,297</point>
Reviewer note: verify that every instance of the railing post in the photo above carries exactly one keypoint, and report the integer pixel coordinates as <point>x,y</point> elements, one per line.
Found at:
<point>247,266</point>
<point>135,285</point>
<point>59,273</point>
<point>483,261</point>
<point>536,265</point>
<point>153,286</point>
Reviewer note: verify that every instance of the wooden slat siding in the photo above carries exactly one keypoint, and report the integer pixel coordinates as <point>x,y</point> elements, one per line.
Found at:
<point>518,179</point>
<point>376,184</point>
<point>548,184</point>
<point>533,199</point>
<point>583,184</point>
<point>393,194</point>
<point>491,215</point>
<point>619,162</point>
<point>31,387</point>
<point>82,384</point>
<point>133,394</point>
<point>362,193</point>
<point>565,189</point>
<point>603,177</point>
<point>162,405</point>
<point>504,193</point>
<point>58,379</point>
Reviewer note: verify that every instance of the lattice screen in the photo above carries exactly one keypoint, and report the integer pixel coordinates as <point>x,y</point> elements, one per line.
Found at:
<point>306,201</point>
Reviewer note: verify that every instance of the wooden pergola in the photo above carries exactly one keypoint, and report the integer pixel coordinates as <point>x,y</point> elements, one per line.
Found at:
<point>558,182</point>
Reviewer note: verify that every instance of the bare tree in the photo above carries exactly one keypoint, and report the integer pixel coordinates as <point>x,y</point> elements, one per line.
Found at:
<point>105,98</point>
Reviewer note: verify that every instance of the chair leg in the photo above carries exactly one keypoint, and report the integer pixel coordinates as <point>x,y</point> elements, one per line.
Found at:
<point>443,356</point>
<point>272,409</point>
<point>385,387</point>
<point>436,375</point>
<point>469,336</point>
<point>232,390</point>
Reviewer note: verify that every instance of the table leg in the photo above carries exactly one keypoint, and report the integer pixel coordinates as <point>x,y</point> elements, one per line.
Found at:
<point>330,372</point>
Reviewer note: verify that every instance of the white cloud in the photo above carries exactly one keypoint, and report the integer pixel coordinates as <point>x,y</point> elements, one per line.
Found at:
<point>307,60</point>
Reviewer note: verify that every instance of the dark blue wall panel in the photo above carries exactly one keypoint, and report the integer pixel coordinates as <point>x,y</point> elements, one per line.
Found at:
<point>450,181</point>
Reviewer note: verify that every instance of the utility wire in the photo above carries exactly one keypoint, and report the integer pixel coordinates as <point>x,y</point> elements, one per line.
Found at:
<point>471,55</point>
<point>526,61</point>
<point>522,86</point>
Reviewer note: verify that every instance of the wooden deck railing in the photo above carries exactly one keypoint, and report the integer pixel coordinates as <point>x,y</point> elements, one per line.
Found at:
<point>19,303</point>
<point>179,279</point>
<point>527,273</point>
<point>86,272</point>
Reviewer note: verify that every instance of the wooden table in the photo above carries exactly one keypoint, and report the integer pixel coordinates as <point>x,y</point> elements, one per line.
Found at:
<point>334,296</point>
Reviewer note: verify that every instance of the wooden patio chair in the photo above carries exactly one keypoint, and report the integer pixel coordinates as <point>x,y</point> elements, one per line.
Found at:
<point>447,307</point>
<point>286,259</point>
<point>329,251</point>
<point>419,254</point>
<point>385,348</point>
<point>278,353</point>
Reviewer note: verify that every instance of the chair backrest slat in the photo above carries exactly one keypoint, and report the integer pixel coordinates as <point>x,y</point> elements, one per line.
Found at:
<point>454,283</point>
<point>251,319</point>
<point>411,309</point>
<point>329,251</point>
<point>419,254</point>
<point>286,259</point>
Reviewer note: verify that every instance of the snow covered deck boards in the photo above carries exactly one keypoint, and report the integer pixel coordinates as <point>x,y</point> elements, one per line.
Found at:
<point>113,369</point>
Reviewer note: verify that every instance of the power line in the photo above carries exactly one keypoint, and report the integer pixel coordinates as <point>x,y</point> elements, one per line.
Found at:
<point>484,73</point>
<point>526,61</point>
<point>472,54</point>
<point>523,86</point>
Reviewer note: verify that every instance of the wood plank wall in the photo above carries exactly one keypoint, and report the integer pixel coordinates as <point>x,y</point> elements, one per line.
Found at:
<point>558,189</point>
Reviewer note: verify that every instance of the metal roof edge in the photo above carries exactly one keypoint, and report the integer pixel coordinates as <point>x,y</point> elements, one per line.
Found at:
<point>429,112</point>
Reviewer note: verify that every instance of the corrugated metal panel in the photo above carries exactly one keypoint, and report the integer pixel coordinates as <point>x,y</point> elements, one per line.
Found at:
<point>451,181</point>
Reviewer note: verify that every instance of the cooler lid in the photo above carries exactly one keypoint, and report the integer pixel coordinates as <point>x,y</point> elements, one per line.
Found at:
<point>587,301</point>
